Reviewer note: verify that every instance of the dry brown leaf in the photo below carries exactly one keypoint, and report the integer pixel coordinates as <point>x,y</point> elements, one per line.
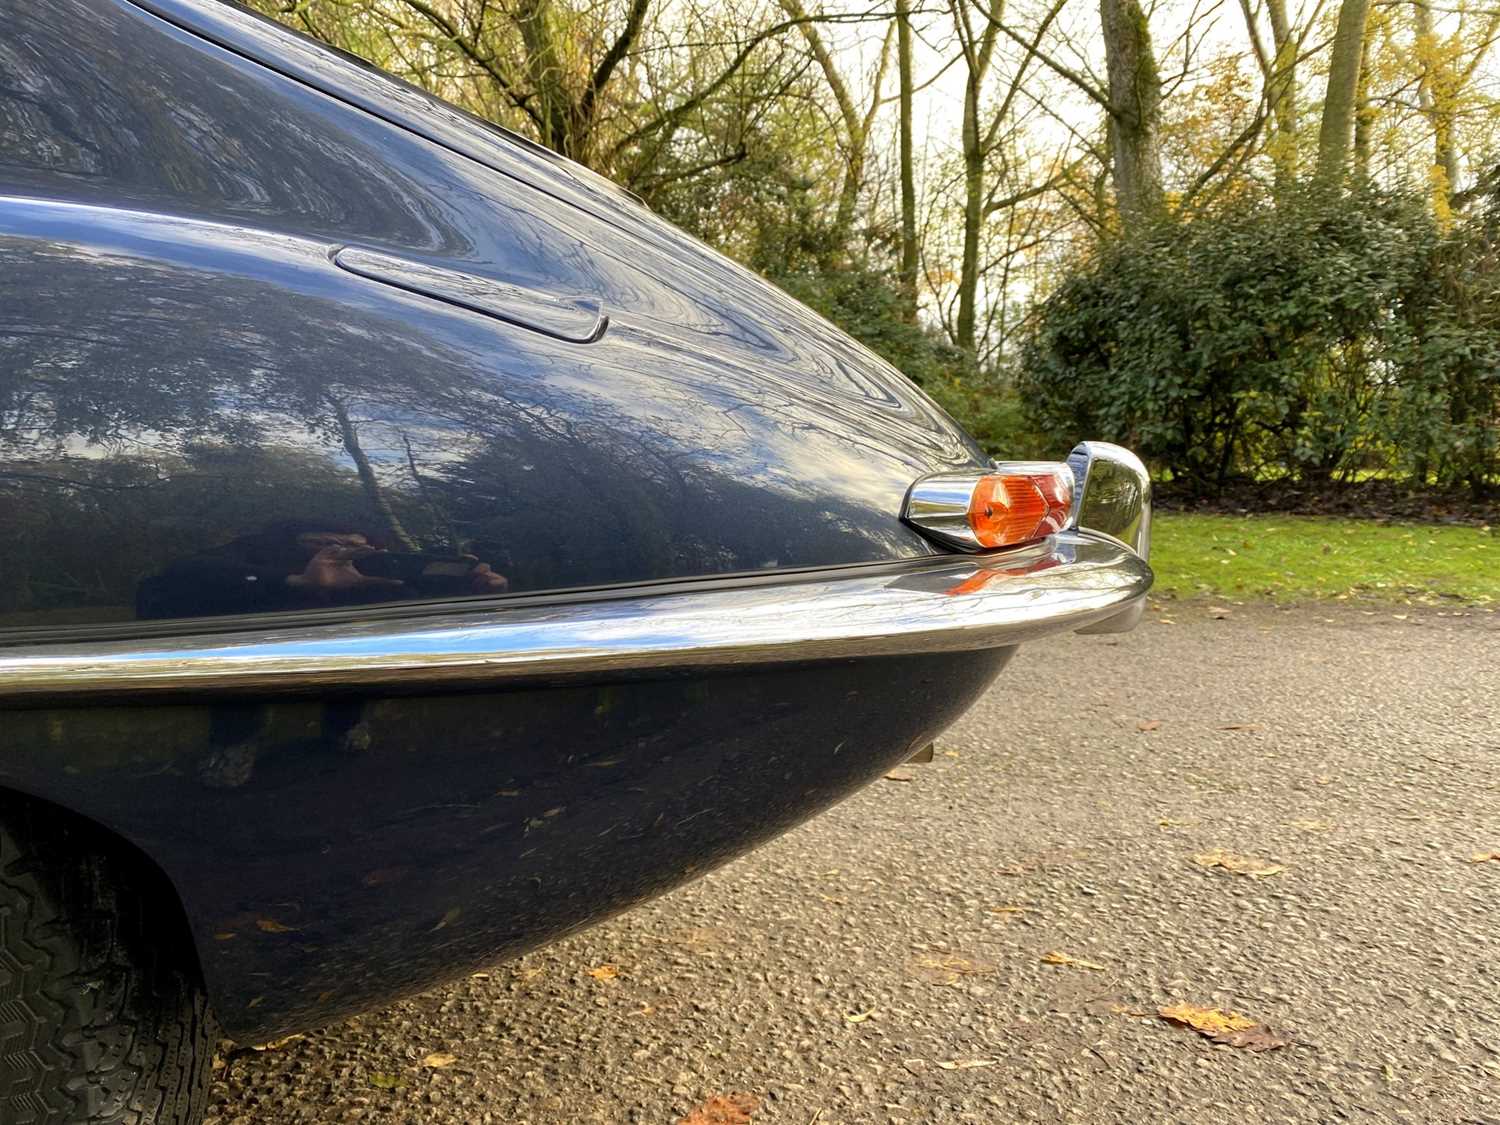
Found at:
<point>859,1017</point>
<point>967,1064</point>
<point>439,1059</point>
<point>1008,909</point>
<point>1251,728</point>
<point>1484,857</point>
<point>1145,726</point>
<point>1168,822</point>
<point>1229,1028</point>
<point>604,972</point>
<point>1053,957</point>
<point>900,775</point>
<point>1206,1021</point>
<point>1239,864</point>
<point>277,1044</point>
<point>723,1109</point>
<point>1218,612</point>
<point>271,926</point>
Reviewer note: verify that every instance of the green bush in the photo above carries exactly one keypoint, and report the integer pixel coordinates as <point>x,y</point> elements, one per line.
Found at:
<point>1317,336</point>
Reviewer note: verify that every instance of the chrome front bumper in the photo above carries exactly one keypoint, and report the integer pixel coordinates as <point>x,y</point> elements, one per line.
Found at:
<point>1091,576</point>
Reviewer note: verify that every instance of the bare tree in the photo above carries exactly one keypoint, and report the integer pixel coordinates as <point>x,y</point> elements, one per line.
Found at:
<point>857,120</point>
<point>906,84</point>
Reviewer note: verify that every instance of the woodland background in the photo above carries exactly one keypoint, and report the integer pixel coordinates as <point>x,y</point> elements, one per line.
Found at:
<point>1257,240</point>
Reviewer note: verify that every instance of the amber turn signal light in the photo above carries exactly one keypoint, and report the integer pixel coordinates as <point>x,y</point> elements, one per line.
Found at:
<point>1011,508</point>
<point>1018,503</point>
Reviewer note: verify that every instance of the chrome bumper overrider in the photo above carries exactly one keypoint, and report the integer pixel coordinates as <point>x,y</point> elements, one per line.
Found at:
<point>1093,575</point>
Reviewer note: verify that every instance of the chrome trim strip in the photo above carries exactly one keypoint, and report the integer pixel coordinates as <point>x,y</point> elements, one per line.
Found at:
<point>1069,581</point>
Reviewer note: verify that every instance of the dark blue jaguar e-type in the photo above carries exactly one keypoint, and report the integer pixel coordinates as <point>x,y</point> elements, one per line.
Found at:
<point>412,550</point>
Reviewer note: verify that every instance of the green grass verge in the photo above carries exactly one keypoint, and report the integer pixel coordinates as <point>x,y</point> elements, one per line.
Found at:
<point>1287,558</point>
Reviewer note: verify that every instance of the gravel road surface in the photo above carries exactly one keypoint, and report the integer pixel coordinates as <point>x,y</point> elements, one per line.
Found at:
<point>885,962</point>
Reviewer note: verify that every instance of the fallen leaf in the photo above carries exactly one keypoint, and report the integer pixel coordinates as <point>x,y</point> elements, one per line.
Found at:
<point>1053,957</point>
<point>1145,726</point>
<point>1229,1028</point>
<point>1168,822</point>
<point>277,1044</point>
<point>967,1064</point>
<point>723,1109</point>
<point>439,1059</point>
<point>900,775</point>
<point>1482,857</point>
<point>1251,728</point>
<point>950,753</point>
<point>1205,1021</point>
<point>1218,612</point>
<point>1238,864</point>
<point>1008,909</point>
<point>859,1017</point>
<point>271,926</point>
<point>386,1081</point>
<point>226,936</point>
<point>604,972</point>
<point>448,919</point>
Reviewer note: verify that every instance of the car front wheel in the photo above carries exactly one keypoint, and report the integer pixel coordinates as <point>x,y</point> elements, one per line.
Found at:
<point>103,1020</point>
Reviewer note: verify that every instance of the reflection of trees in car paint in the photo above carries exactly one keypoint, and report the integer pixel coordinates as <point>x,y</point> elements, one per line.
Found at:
<point>181,363</point>
<point>126,380</point>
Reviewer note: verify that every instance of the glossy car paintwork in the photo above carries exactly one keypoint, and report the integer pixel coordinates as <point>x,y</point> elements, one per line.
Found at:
<point>336,853</point>
<point>184,365</point>
<point>181,349</point>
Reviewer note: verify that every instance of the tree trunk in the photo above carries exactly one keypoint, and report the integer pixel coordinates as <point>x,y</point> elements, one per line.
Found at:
<point>1281,93</point>
<point>968,276</point>
<point>544,68</point>
<point>1341,102</point>
<point>1135,111</point>
<point>854,124</point>
<point>1364,114</point>
<point>908,274</point>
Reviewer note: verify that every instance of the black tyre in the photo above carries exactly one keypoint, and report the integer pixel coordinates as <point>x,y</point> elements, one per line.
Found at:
<point>103,1020</point>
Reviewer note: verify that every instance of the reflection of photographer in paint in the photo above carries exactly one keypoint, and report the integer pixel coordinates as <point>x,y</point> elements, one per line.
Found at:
<point>305,565</point>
